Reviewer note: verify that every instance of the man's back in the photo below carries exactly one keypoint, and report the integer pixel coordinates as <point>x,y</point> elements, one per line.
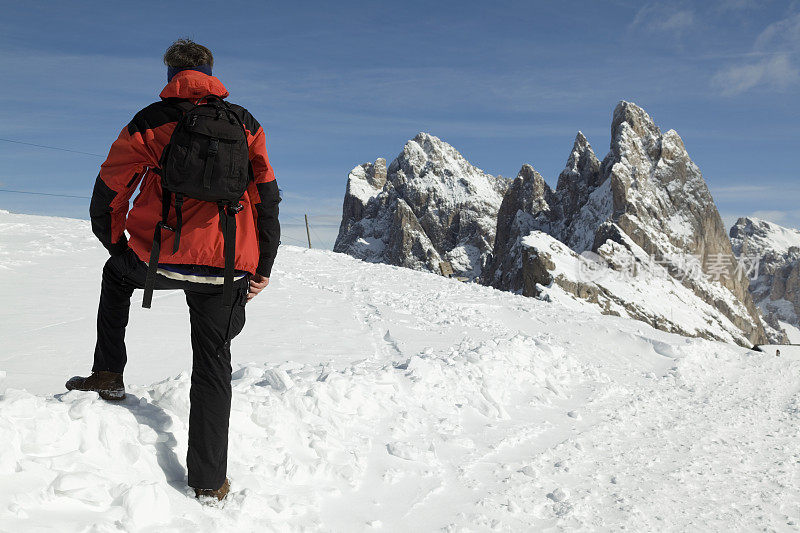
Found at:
<point>216,310</point>
<point>135,156</point>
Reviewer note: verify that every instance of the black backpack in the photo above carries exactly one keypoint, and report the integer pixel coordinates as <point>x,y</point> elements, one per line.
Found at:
<point>207,159</point>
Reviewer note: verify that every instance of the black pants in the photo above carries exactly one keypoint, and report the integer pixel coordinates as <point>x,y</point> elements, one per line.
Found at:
<point>213,326</point>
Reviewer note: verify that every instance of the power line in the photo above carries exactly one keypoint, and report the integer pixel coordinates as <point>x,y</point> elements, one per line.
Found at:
<point>50,147</point>
<point>317,236</point>
<point>283,237</point>
<point>299,242</point>
<point>302,221</point>
<point>47,194</point>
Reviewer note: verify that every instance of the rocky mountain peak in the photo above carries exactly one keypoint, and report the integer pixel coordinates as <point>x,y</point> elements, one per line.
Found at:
<point>647,202</point>
<point>631,116</point>
<point>532,192</point>
<point>580,140</point>
<point>647,196</point>
<point>433,206</point>
<point>581,176</point>
<point>525,207</point>
<point>536,189</point>
<point>774,251</point>
<point>427,154</point>
<point>376,173</point>
<point>754,235</point>
<point>582,166</point>
<point>432,144</point>
<point>747,227</point>
<point>364,182</point>
<point>662,202</point>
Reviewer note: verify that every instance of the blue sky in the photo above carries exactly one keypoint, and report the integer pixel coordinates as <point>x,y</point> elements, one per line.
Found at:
<point>336,84</point>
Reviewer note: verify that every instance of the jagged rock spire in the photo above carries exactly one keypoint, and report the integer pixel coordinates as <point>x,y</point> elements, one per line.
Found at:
<point>647,192</point>
<point>429,205</point>
<point>525,207</point>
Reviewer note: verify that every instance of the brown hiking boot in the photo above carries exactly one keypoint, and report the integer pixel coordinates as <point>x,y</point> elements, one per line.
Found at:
<point>108,385</point>
<point>219,494</point>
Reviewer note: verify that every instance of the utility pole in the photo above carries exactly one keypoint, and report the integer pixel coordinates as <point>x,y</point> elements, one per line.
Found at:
<point>308,234</point>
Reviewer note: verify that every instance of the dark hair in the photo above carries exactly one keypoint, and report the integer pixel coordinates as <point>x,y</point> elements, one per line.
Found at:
<point>185,53</point>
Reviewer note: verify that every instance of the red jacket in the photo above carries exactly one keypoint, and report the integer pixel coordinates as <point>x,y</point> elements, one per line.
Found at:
<point>131,160</point>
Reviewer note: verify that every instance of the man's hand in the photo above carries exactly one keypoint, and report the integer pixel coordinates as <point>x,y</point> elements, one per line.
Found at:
<point>257,284</point>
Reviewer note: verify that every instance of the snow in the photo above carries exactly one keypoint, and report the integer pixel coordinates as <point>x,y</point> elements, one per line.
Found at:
<point>359,187</point>
<point>432,184</point>
<point>777,251</point>
<point>651,295</point>
<point>597,210</point>
<point>441,171</point>
<point>679,227</point>
<point>376,397</point>
<point>465,258</point>
<point>791,352</point>
<point>771,237</point>
<point>792,332</point>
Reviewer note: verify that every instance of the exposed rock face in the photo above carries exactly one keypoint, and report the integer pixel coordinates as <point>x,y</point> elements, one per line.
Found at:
<point>525,207</point>
<point>552,271</point>
<point>644,209</point>
<point>429,205</point>
<point>571,213</point>
<point>646,191</point>
<point>775,251</point>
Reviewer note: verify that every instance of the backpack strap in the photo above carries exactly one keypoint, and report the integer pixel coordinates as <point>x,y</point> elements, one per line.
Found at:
<point>227,218</point>
<point>178,221</point>
<point>227,210</point>
<point>155,250</point>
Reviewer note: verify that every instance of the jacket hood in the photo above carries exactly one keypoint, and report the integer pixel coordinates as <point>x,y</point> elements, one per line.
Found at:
<point>193,84</point>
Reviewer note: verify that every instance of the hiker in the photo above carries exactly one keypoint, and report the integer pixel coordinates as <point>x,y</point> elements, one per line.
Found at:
<point>205,221</point>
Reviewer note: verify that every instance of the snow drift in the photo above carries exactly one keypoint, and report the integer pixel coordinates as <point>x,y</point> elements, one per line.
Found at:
<point>370,397</point>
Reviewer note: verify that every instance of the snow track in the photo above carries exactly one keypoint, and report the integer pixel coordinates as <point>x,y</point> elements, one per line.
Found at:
<point>379,398</point>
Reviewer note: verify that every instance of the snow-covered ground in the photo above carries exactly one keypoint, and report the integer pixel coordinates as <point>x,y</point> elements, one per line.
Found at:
<point>625,281</point>
<point>369,397</point>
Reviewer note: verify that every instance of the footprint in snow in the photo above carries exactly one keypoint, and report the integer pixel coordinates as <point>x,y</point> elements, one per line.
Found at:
<point>558,495</point>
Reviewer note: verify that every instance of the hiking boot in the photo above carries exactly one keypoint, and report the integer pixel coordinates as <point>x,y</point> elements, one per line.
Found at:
<point>108,385</point>
<point>219,494</point>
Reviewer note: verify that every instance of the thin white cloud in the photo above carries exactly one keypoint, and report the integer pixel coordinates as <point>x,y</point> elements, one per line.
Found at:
<point>765,191</point>
<point>740,191</point>
<point>663,18</point>
<point>783,35</point>
<point>736,5</point>
<point>677,21</point>
<point>776,65</point>
<point>781,218</point>
<point>777,73</point>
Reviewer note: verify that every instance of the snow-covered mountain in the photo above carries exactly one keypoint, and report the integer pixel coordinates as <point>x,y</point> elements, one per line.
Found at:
<point>570,214</point>
<point>644,212</point>
<point>776,289</point>
<point>430,205</point>
<point>370,397</point>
